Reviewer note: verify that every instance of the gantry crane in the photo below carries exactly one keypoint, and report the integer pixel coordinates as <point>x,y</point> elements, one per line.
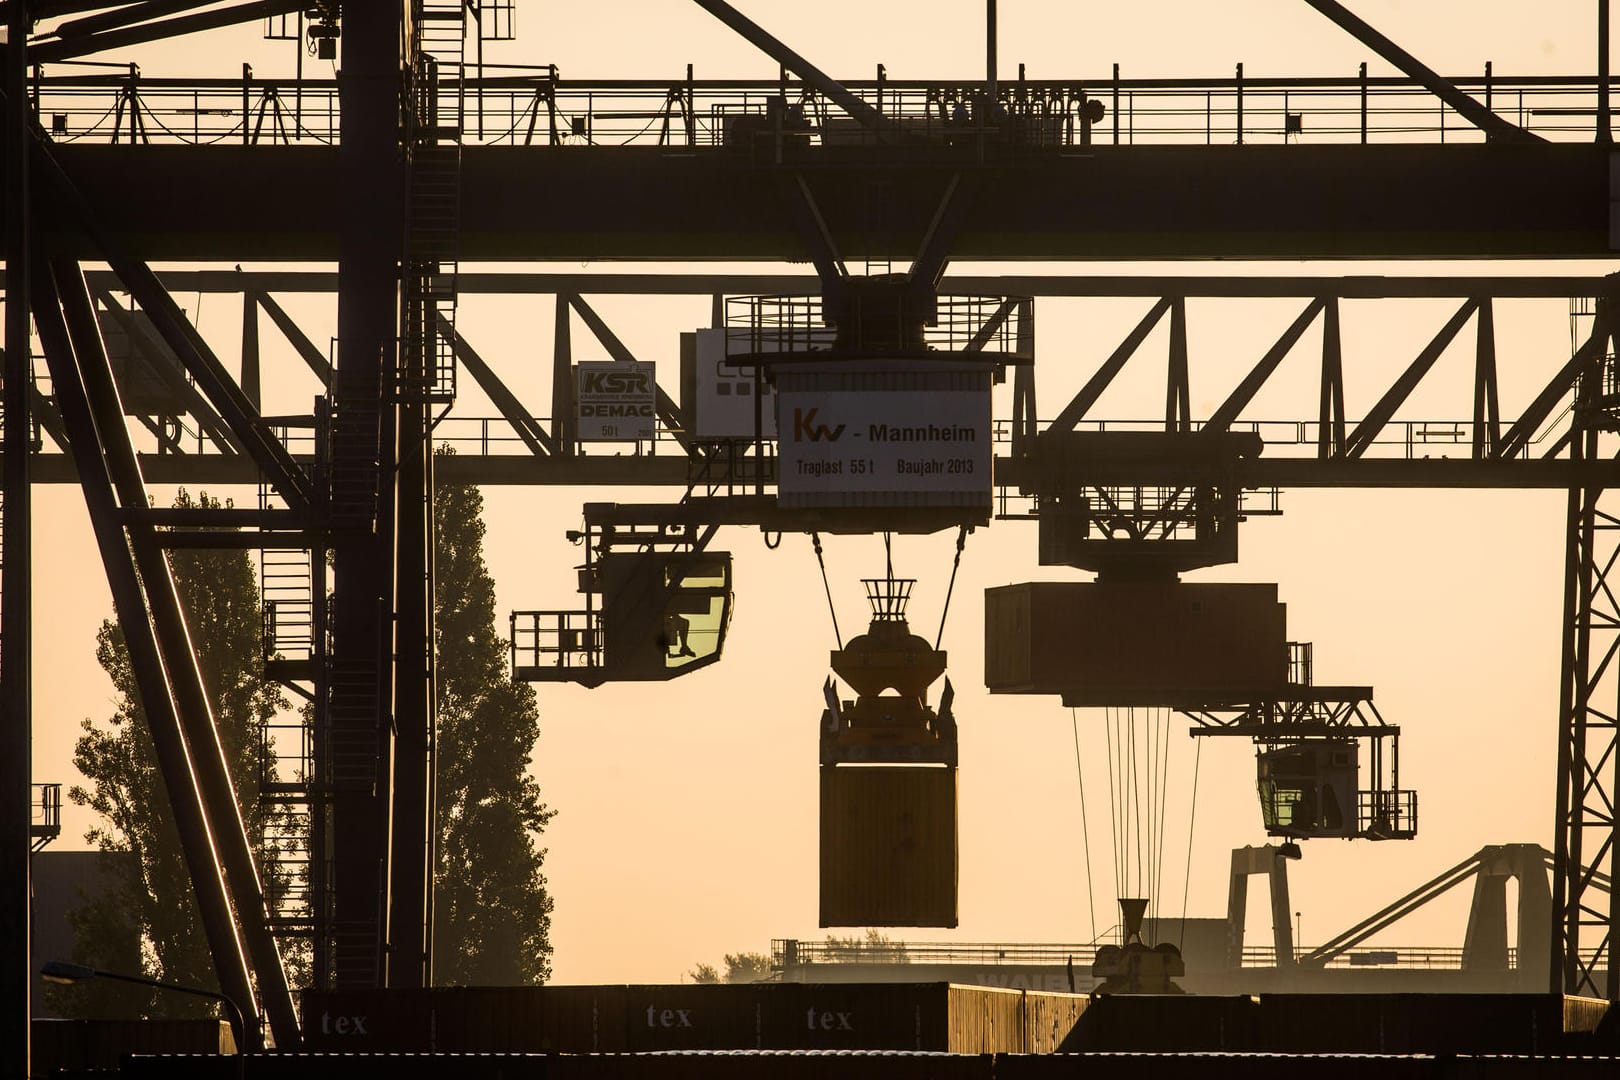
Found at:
<point>991,180</point>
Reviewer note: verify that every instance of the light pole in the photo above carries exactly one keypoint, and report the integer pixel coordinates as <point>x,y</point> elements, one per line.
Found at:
<point>66,974</point>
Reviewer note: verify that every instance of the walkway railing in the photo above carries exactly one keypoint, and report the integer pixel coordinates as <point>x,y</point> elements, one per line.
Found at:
<point>534,107</point>
<point>789,953</point>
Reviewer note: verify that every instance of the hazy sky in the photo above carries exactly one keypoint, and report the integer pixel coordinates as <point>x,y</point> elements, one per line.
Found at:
<point>687,811</point>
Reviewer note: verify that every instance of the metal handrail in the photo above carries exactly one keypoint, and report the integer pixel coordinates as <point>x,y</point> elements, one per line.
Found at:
<point>536,108</point>
<point>787,953</point>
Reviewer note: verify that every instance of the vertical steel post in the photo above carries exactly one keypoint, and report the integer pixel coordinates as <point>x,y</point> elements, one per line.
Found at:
<point>1330,410</point>
<point>372,197</point>
<point>1487,409</point>
<point>250,349</point>
<point>1604,134</point>
<point>1237,85</point>
<point>990,57</point>
<point>562,379</point>
<point>16,702</point>
<point>1177,390</point>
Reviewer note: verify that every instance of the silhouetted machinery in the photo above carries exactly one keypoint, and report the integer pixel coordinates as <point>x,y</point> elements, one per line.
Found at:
<point>1140,509</point>
<point>876,396</point>
<point>650,614</point>
<point>1137,967</point>
<point>888,777</point>
<point>883,423</point>
<point>1140,637</point>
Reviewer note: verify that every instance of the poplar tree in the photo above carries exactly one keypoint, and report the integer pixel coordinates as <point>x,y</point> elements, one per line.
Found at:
<point>492,910</point>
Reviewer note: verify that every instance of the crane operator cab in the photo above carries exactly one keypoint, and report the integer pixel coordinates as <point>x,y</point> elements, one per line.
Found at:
<point>1308,788</point>
<point>661,614</point>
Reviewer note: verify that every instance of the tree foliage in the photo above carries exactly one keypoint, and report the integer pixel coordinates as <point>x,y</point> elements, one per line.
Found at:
<point>492,910</point>
<point>147,922</point>
<point>743,967</point>
<point>874,947</point>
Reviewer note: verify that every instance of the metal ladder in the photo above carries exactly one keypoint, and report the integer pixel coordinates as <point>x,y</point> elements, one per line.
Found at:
<point>290,791</point>
<point>427,362</point>
<point>355,464</point>
<point>286,597</point>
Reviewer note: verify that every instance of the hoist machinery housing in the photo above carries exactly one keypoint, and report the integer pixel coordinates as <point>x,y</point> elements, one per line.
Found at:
<point>888,777</point>
<point>1219,654</point>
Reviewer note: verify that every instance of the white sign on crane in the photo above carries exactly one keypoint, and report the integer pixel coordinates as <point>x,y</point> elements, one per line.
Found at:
<point>883,433</point>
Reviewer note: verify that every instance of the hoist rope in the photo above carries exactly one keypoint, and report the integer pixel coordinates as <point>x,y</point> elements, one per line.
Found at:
<point>1113,804</point>
<point>961,539</point>
<point>1192,817</point>
<point>815,538</point>
<point>1138,799</point>
<point>1161,765</point>
<point>1085,829</point>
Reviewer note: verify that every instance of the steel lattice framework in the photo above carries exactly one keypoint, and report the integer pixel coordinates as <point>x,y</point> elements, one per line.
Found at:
<point>970,170</point>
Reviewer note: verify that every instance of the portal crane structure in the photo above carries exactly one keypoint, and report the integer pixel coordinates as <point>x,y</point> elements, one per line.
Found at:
<point>325,172</point>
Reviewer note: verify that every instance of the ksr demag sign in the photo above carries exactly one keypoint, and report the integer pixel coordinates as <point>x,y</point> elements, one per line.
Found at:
<point>616,400</point>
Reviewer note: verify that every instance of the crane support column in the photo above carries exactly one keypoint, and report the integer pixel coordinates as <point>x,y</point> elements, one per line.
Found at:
<point>1585,919</point>
<point>16,703</point>
<point>360,714</point>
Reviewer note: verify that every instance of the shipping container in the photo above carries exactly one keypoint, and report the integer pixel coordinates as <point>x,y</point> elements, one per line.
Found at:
<point>1123,644</point>
<point>1427,1023</point>
<point>99,1044</point>
<point>859,1016</point>
<point>504,1019</point>
<point>986,1020</point>
<point>582,1020</point>
<point>1050,1020</point>
<point>701,1017</point>
<point>1172,1023</point>
<point>397,1021</point>
<point>888,845</point>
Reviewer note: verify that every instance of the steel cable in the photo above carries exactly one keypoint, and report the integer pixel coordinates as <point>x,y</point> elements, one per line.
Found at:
<point>815,539</point>
<point>1085,829</point>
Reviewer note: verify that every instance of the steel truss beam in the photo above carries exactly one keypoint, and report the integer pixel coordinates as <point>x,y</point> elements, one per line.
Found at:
<point>1287,202</point>
<point>1490,453</point>
<point>1587,842</point>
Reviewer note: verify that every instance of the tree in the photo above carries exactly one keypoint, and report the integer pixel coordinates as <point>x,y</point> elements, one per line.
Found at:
<point>147,921</point>
<point>875,947</point>
<point>492,910</point>
<point>744,967</point>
